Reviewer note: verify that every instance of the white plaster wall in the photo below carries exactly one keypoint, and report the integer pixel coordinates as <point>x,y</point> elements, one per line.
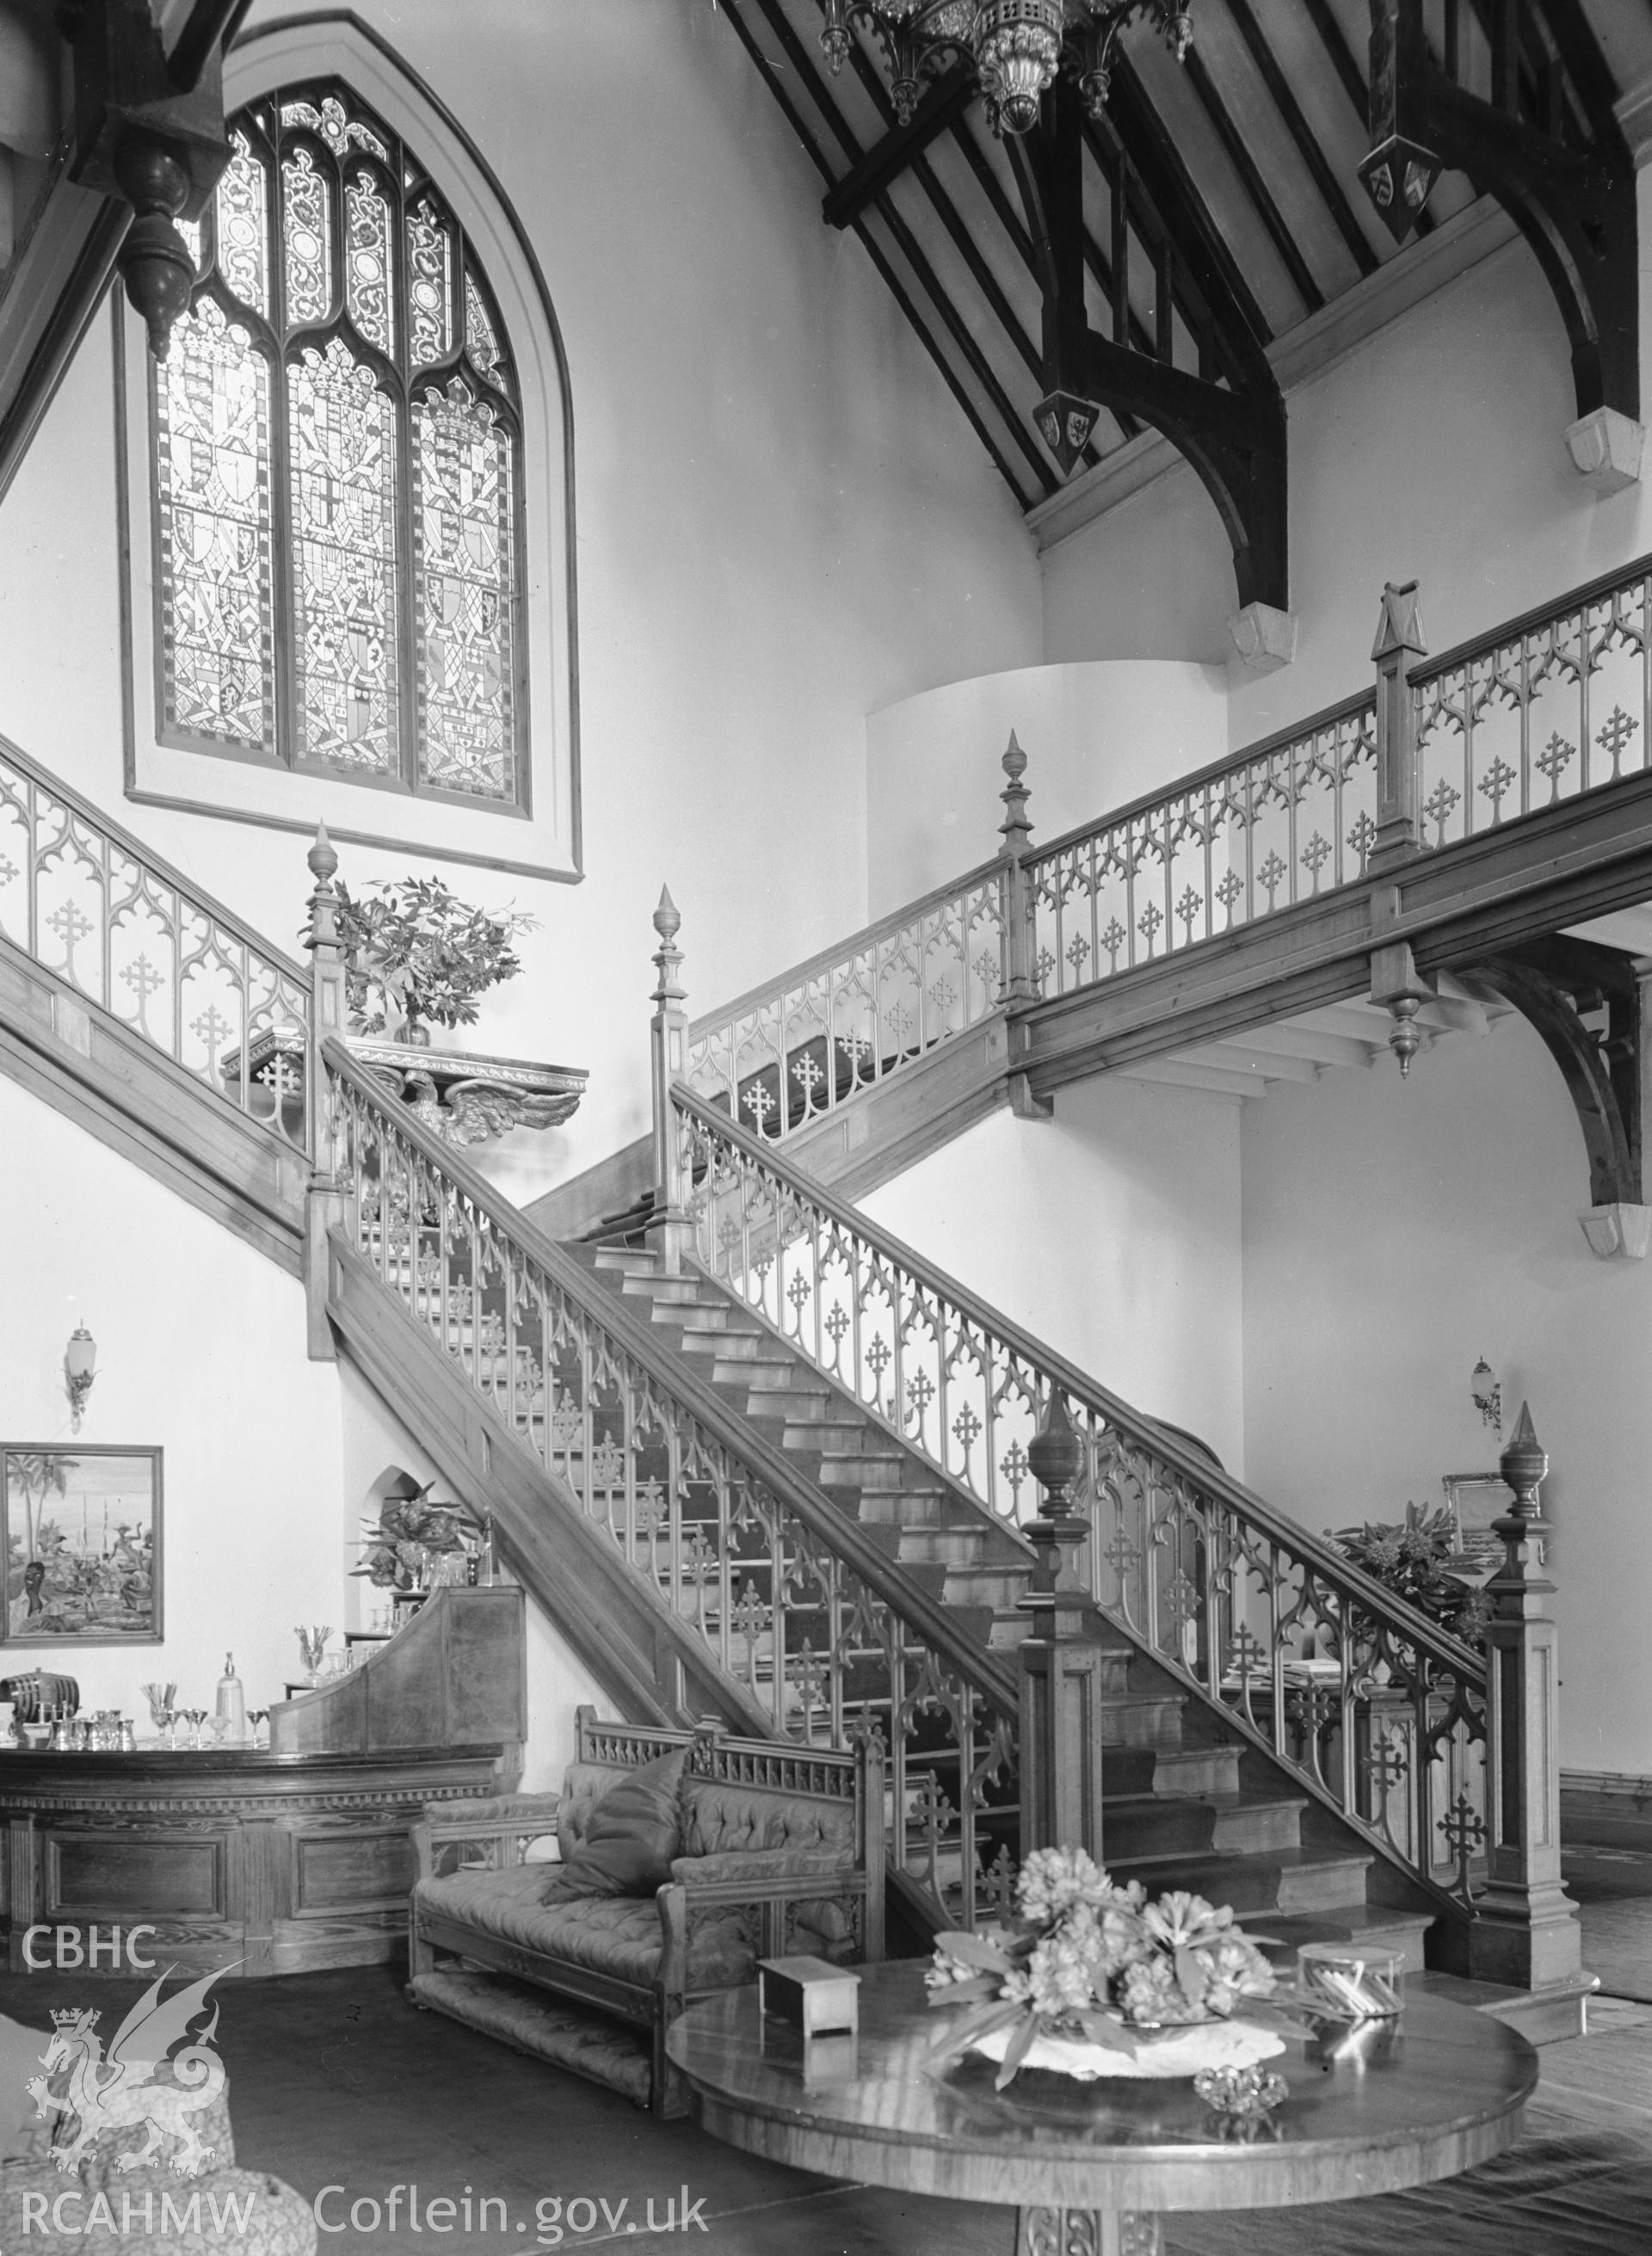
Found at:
<point>201,1352</point>
<point>1096,736</point>
<point>558,1680</point>
<point>1435,451</point>
<point>1394,1233</point>
<point>784,523</point>
<point>1112,1233</point>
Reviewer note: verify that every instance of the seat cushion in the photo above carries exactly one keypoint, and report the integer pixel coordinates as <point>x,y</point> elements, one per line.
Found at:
<point>632,1833</point>
<point>617,1936</point>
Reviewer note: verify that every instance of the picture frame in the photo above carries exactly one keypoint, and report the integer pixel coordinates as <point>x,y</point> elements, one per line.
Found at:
<point>80,1537</point>
<point>1475,1501</point>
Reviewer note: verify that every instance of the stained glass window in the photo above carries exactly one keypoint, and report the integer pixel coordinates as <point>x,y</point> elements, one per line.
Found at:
<point>338,478</point>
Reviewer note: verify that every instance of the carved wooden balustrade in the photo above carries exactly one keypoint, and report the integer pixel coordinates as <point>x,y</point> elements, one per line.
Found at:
<point>105,914</point>
<point>796,1602</point>
<point>1550,707</point>
<point>1376,1711</point>
<point>1277,824</point>
<point>790,1051</point>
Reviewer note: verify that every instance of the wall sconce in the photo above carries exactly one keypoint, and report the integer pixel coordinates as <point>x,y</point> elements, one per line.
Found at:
<point>1486,1390</point>
<point>79,1368</point>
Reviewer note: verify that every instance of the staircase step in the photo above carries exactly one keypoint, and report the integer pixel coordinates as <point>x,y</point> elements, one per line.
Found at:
<point>1150,1825</point>
<point>792,1404</point>
<point>1546,2016</point>
<point>1143,1719</point>
<point>1280,1879</point>
<point>1170,1772</point>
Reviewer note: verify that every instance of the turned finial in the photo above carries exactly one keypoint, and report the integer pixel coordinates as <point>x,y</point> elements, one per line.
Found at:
<point>321,858</point>
<point>1015,830</point>
<point>668,955</point>
<point>1056,1457</point>
<point>1523,1465</point>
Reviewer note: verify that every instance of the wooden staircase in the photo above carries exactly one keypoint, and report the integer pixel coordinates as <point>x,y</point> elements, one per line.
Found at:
<point>1187,1805</point>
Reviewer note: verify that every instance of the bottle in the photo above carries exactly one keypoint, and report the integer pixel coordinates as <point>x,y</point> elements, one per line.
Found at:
<point>232,1706</point>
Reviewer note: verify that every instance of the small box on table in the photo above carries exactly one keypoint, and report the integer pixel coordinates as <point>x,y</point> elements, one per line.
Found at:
<point>811,1994</point>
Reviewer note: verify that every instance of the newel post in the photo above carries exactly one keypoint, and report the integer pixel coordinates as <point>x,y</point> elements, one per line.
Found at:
<point>323,1204</point>
<point>1018,989</point>
<point>1525,1932</point>
<point>667,1231</point>
<point>1399,640</point>
<point>1067,1669</point>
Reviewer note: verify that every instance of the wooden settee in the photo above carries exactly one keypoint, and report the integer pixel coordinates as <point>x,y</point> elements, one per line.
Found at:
<point>782,1852</point>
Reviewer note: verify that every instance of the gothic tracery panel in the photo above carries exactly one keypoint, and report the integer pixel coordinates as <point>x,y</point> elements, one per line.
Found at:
<point>340,397</point>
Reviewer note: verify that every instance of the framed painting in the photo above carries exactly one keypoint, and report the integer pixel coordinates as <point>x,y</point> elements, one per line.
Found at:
<point>1476,1500</point>
<point>82,1530</point>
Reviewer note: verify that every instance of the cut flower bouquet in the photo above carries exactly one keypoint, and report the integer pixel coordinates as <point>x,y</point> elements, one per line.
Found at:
<point>1093,1960</point>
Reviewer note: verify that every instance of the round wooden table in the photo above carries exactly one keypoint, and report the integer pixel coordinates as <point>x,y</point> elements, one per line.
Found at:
<point>1090,2165</point>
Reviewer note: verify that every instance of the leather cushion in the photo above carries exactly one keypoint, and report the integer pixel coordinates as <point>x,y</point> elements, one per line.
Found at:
<point>617,1935</point>
<point>632,1834</point>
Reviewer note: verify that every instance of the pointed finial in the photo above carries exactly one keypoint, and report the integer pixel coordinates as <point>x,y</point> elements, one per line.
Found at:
<point>321,859</point>
<point>668,955</point>
<point>1523,1464</point>
<point>1057,1457</point>
<point>1400,626</point>
<point>1015,831</point>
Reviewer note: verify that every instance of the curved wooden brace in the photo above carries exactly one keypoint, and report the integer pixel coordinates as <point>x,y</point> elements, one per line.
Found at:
<point>1236,443</point>
<point>1604,1080</point>
<point>1577,208</point>
<point>1235,440</point>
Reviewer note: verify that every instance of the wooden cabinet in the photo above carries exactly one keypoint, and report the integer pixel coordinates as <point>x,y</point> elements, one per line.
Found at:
<point>268,1862</point>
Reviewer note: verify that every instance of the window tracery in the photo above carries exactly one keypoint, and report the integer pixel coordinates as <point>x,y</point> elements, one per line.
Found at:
<point>337,471</point>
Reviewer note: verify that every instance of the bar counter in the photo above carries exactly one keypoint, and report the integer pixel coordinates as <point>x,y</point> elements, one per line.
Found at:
<point>265,1861</point>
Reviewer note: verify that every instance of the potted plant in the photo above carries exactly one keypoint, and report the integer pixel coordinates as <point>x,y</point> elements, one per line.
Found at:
<point>405,1549</point>
<point>1413,1560</point>
<point>416,956</point>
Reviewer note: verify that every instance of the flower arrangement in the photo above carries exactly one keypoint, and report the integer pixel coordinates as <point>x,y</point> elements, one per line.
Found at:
<point>1089,1958</point>
<point>416,955</point>
<point>1411,1559</point>
<point>398,1548</point>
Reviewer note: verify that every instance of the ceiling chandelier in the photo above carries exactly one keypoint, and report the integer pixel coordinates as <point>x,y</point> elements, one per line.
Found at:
<point>1015,47</point>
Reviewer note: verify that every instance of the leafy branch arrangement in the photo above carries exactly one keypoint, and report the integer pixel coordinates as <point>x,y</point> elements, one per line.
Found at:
<point>409,1528</point>
<point>1412,1559</point>
<point>416,955</point>
<point>1088,1958</point>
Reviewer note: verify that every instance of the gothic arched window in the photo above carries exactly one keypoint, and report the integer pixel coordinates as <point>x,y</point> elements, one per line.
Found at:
<point>337,471</point>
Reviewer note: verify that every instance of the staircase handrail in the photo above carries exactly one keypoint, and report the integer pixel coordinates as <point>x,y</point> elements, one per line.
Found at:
<point>285,1005</point>
<point>1054,1371</point>
<point>826,959</point>
<point>155,864</point>
<point>869,1006</point>
<point>994,1683</point>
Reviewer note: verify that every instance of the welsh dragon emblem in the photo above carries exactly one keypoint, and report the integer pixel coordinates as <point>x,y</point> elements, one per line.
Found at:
<point>118,2090</point>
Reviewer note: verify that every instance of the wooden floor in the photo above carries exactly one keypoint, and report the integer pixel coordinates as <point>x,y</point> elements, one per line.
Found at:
<point>336,2080</point>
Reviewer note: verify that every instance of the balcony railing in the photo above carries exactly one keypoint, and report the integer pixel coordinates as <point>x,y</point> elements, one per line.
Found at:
<point>100,910</point>
<point>1283,823</point>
